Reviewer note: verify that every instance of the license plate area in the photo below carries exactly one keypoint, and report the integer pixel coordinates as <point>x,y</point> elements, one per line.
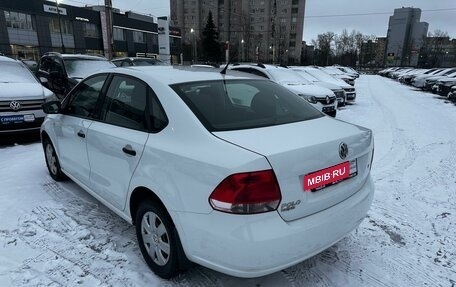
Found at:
<point>326,177</point>
<point>16,119</point>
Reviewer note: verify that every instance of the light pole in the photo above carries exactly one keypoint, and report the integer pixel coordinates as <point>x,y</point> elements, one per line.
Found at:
<point>194,50</point>
<point>60,25</point>
<point>242,47</point>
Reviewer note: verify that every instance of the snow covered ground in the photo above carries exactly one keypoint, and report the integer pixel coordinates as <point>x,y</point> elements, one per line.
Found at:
<point>54,234</point>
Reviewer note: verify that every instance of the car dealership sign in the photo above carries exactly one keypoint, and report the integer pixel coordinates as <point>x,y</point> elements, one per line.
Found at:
<point>53,9</point>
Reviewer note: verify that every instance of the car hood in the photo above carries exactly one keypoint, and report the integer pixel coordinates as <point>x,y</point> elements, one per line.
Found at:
<point>21,91</point>
<point>328,85</point>
<point>309,90</point>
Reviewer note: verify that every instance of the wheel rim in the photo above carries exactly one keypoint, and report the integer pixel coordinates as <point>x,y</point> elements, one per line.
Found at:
<point>155,238</point>
<point>51,159</point>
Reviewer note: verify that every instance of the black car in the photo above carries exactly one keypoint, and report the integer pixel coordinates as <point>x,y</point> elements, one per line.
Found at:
<point>137,61</point>
<point>61,72</point>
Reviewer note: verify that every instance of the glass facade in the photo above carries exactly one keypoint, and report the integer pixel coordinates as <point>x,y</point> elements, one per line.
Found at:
<point>18,20</point>
<point>118,34</point>
<point>139,37</point>
<point>67,27</point>
<point>91,30</point>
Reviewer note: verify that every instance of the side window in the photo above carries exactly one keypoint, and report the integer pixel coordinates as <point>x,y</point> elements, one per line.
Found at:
<point>82,102</point>
<point>45,64</point>
<point>125,64</point>
<point>125,103</point>
<point>158,117</point>
<point>258,73</point>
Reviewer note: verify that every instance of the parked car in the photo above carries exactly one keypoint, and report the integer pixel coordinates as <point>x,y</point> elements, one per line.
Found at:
<point>137,61</point>
<point>336,89</point>
<point>61,72</point>
<point>347,70</point>
<point>452,94</point>
<point>420,81</point>
<point>350,91</point>
<point>322,99</point>
<point>408,77</point>
<point>233,173</point>
<point>431,81</point>
<point>339,74</point>
<point>31,64</point>
<point>443,85</point>
<point>21,97</point>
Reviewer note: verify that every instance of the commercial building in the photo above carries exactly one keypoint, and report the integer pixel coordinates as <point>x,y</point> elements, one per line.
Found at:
<point>405,37</point>
<point>29,29</point>
<point>257,30</point>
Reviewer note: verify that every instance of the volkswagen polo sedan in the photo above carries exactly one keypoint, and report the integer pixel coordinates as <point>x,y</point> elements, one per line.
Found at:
<point>233,173</point>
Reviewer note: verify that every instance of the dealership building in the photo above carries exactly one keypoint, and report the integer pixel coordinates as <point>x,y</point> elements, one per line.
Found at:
<point>28,29</point>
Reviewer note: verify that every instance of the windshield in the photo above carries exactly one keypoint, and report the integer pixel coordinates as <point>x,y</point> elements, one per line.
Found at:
<point>148,62</point>
<point>13,72</point>
<point>81,68</point>
<point>306,76</point>
<point>243,104</point>
<point>322,76</point>
<point>287,76</point>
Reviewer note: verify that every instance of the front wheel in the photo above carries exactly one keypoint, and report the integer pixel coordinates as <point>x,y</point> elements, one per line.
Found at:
<point>157,240</point>
<point>52,161</point>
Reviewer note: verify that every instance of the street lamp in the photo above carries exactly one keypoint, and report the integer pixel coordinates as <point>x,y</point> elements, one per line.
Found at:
<point>242,47</point>
<point>60,25</point>
<point>194,50</point>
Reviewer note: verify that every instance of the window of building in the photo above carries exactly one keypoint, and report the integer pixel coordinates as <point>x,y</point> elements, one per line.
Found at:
<point>66,26</point>
<point>293,19</point>
<point>294,10</point>
<point>19,21</point>
<point>118,34</point>
<point>91,30</point>
<point>139,37</point>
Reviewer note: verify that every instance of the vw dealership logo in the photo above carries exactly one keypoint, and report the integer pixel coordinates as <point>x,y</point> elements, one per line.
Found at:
<point>343,150</point>
<point>15,106</point>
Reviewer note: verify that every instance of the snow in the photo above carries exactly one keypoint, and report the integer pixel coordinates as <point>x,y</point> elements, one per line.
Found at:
<point>56,234</point>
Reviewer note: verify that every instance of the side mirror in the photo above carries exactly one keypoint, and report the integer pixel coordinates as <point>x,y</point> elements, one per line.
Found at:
<point>55,75</point>
<point>43,81</point>
<point>53,107</point>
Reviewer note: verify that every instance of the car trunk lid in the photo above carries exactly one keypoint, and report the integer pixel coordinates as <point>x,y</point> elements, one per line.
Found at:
<point>297,149</point>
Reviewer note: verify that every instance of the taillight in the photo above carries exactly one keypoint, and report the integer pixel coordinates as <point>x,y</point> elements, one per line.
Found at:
<point>247,193</point>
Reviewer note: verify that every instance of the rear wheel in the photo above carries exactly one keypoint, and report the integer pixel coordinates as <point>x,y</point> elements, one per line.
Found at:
<point>52,161</point>
<point>157,239</point>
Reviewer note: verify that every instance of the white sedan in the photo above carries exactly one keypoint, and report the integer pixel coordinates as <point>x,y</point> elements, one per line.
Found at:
<point>236,174</point>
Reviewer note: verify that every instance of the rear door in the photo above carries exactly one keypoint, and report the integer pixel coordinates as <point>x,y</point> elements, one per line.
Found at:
<point>116,142</point>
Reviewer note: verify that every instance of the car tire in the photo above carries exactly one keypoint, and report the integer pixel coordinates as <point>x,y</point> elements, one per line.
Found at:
<point>52,161</point>
<point>158,239</point>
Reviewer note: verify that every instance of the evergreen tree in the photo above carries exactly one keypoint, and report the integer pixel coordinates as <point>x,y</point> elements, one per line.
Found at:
<point>210,42</point>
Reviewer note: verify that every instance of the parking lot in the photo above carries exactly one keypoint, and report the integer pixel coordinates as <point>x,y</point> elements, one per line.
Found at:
<point>55,234</point>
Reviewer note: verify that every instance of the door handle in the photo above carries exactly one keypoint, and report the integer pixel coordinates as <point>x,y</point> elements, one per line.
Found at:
<point>129,150</point>
<point>81,134</point>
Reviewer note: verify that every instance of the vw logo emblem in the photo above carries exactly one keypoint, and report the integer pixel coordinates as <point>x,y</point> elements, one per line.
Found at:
<point>327,99</point>
<point>15,106</point>
<point>343,150</point>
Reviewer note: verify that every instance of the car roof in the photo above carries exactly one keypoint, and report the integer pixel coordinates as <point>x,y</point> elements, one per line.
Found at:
<point>259,66</point>
<point>170,75</point>
<point>7,59</point>
<point>134,59</point>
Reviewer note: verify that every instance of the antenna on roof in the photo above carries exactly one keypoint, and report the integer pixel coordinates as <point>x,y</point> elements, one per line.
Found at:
<point>223,72</point>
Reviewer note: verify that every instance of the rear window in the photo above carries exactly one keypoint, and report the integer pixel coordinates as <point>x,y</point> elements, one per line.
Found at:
<point>243,104</point>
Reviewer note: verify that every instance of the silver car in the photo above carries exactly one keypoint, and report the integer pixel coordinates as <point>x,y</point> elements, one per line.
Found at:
<point>21,97</point>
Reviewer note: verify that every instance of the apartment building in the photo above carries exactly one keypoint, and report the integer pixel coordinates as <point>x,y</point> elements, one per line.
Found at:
<point>256,30</point>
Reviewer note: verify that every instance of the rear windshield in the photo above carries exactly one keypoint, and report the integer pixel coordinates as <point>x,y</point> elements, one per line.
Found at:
<point>81,68</point>
<point>243,104</point>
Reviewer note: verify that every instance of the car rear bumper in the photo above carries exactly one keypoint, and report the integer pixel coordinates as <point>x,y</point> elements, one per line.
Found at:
<point>256,245</point>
